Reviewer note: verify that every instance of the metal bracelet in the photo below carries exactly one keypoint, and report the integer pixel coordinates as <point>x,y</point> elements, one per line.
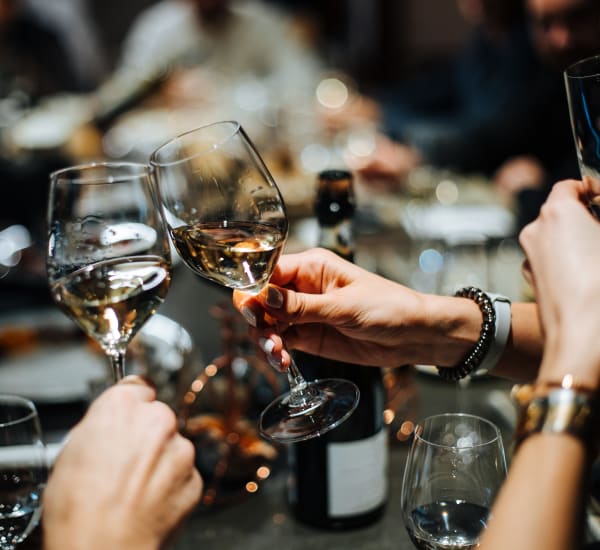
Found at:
<point>488,326</point>
<point>560,411</point>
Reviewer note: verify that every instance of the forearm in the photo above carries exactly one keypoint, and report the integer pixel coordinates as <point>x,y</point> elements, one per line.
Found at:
<point>77,537</point>
<point>541,502</point>
<point>449,328</point>
<point>523,354</point>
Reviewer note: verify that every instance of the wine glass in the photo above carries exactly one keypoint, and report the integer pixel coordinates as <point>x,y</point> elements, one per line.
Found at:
<point>582,81</point>
<point>228,222</point>
<point>454,469</point>
<point>23,469</point>
<point>108,260</point>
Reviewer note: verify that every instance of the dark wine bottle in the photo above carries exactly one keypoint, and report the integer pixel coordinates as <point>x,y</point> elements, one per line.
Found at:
<point>339,480</point>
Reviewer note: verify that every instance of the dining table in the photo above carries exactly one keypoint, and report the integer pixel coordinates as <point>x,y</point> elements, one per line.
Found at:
<point>392,232</point>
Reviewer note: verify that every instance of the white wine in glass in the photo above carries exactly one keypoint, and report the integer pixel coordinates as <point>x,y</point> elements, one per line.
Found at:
<point>108,257</point>
<point>228,222</point>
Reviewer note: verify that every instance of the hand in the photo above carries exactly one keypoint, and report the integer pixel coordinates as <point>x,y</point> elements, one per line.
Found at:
<point>520,173</point>
<point>125,477</point>
<point>324,305</point>
<point>563,266</point>
<point>357,111</point>
<point>390,163</point>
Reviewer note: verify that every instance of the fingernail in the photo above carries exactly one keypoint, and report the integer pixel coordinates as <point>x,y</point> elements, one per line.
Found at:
<point>249,316</point>
<point>274,362</point>
<point>274,297</point>
<point>266,345</point>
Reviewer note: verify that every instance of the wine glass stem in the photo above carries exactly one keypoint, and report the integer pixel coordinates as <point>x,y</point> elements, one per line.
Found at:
<point>117,362</point>
<point>301,393</point>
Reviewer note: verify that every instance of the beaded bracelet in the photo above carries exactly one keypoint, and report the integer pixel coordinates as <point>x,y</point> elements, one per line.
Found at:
<point>488,326</point>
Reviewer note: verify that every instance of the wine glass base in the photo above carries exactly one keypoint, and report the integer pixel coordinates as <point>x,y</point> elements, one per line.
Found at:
<point>336,399</point>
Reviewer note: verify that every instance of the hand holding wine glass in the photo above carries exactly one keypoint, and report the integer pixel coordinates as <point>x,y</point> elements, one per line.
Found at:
<point>125,484</point>
<point>108,258</point>
<point>228,222</point>
<point>23,469</point>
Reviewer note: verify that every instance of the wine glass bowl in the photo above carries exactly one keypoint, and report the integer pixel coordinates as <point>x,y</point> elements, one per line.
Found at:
<point>23,469</point>
<point>224,212</point>
<point>227,220</point>
<point>454,469</point>
<point>108,258</point>
<point>582,82</point>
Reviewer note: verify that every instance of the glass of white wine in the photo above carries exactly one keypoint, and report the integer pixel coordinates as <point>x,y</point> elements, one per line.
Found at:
<point>228,222</point>
<point>23,469</point>
<point>108,260</point>
<point>454,470</point>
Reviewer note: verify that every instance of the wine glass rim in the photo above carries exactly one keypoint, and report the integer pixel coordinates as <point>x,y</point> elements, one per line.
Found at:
<point>236,128</point>
<point>140,170</point>
<point>17,399</point>
<point>419,430</point>
<point>578,69</point>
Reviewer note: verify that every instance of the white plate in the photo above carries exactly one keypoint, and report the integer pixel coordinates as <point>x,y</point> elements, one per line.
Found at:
<point>48,371</point>
<point>451,222</point>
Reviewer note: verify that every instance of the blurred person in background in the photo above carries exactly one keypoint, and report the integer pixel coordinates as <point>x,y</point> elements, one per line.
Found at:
<point>494,100</point>
<point>512,119</point>
<point>190,49</point>
<point>36,63</point>
<point>564,32</point>
<point>49,58</point>
<point>80,34</point>
<point>34,58</point>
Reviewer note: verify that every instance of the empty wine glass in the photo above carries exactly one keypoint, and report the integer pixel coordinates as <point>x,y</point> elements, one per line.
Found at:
<point>228,222</point>
<point>108,261</point>
<point>23,469</point>
<point>582,81</point>
<point>454,469</point>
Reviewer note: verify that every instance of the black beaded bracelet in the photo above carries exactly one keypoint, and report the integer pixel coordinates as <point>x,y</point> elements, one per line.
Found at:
<point>488,326</point>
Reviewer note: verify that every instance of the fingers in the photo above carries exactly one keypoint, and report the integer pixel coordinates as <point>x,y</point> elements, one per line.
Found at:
<point>581,190</point>
<point>145,387</point>
<point>527,273</point>
<point>564,195</point>
<point>285,307</point>
<point>137,380</point>
<point>273,350</point>
<point>175,465</point>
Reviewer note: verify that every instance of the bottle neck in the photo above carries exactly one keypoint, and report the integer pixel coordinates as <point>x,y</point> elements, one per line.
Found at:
<point>338,238</point>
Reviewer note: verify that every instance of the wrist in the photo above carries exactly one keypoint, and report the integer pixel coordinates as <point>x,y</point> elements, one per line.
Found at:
<point>556,408</point>
<point>81,536</point>
<point>446,330</point>
<point>576,361</point>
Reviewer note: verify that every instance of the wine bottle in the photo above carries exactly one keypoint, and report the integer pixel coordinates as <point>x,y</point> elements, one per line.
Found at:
<point>339,480</point>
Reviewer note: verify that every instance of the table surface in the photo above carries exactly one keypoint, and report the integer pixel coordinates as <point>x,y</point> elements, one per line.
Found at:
<point>264,519</point>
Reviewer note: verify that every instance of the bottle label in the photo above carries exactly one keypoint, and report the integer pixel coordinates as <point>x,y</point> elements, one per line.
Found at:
<point>357,474</point>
